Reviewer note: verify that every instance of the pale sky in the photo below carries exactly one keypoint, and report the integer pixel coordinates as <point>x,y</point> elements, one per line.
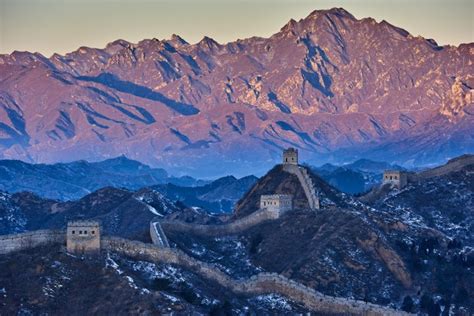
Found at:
<point>49,26</point>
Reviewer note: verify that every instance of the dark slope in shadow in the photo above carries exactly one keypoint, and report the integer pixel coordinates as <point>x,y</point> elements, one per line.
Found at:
<point>113,82</point>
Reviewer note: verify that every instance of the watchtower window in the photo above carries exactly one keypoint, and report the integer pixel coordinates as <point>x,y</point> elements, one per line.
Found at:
<point>93,232</point>
<point>73,232</point>
<point>80,232</point>
<point>85,232</point>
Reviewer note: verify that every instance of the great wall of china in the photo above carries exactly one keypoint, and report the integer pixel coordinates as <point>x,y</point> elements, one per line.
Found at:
<point>262,283</point>
<point>235,227</point>
<point>452,166</point>
<point>305,180</point>
<point>158,226</point>
<point>18,242</point>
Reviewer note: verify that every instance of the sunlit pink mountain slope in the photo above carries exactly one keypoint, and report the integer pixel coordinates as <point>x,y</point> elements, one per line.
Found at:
<point>335,87</point>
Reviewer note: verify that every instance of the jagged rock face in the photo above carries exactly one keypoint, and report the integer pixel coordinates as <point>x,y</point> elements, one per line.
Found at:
<point>326,82</point>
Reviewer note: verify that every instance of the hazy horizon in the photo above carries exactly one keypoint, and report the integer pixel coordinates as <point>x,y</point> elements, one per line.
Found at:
<point>53,26</point>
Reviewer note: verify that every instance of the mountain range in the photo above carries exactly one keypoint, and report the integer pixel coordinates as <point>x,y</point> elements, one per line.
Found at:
<point>335,87</point>
<point>70,181</point>
<point>76,179</point>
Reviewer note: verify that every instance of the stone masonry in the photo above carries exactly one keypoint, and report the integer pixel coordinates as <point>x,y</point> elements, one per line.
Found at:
<point>306,183</point>
<point>395,177</point>
<point>28,240</point>
<point>157,235</point>
<point>262,283</point>
<point>277,203</point>
<point>83,236</point>
<point>290,156</point>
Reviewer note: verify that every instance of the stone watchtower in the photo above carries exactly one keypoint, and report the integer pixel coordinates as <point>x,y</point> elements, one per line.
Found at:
<point>83,236</point>
<point>276,203</point>
<point>290,156</point>
<point>395,177</point>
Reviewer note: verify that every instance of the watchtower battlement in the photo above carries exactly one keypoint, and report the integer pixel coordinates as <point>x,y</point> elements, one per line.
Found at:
<point>395,177</point>
<point>83,236</point>
<point>290,156</point>
<point>277,203</point>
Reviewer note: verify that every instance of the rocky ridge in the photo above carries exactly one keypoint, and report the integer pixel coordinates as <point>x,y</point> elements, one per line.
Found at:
<point>330,84</point>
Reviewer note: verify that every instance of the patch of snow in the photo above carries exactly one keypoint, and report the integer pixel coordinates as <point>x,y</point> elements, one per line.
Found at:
<point>131,282</point>
<point>109,262</point>
<point>56,264</point>
<point>274,301</point>
<point>170,297</point>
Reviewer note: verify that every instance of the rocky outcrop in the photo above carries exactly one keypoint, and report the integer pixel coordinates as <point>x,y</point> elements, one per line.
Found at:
<point>459,98</point>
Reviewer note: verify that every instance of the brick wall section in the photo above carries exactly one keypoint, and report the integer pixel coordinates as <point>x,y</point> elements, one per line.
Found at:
<point>157,235</point>
<point>233,228</point>
<point>305,182</point>
<point>453,165</point>
<point>262,283</point>
<point>17,242</point>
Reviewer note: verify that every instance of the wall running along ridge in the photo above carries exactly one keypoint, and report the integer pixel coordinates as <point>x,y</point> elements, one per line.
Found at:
<point>452,166</point>
<point>263,283</point>
<point>17,242</point>
<point>302,174</point>
<point>232,228</point>
<point>157,228</point>
<point>158,236</point>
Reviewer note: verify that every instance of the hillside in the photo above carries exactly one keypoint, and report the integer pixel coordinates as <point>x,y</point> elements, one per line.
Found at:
<point>441,198</point>
<point>49,281</point>
<point>278,181</point>
<point>218,196</point>
<point>122,212</point>
<point>334,86</point>
<point>337,249</point>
